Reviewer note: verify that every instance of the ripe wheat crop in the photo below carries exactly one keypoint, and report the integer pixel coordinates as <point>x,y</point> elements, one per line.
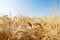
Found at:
<point>29,28</point>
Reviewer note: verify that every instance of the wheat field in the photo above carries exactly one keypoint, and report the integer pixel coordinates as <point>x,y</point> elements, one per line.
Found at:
<point>29,28</point>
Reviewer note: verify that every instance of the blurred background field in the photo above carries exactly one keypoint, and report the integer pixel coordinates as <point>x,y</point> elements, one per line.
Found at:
<point>29,28</point>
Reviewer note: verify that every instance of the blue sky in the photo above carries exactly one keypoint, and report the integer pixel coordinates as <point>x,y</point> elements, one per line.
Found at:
<point>29,7</point>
